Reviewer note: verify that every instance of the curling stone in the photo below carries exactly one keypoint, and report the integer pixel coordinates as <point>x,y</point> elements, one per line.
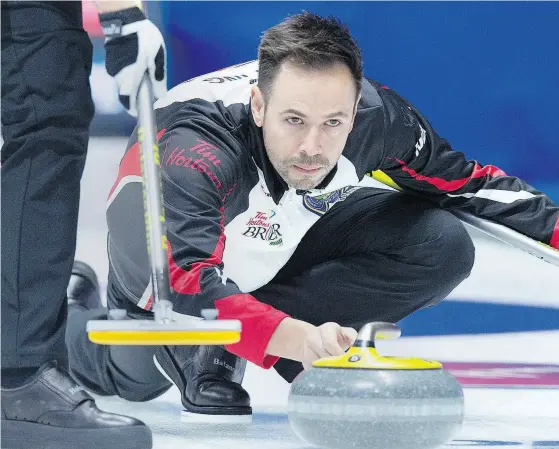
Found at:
<point>364,400</point>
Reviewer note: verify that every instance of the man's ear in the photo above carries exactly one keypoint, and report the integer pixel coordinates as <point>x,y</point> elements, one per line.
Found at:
<point>257,105</point>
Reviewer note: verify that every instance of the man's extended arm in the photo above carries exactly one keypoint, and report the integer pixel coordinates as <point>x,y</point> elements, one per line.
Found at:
<point>195,191</point>
<point>418,160</point>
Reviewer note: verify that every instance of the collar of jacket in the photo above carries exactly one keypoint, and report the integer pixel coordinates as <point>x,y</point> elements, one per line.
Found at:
<point>274,182</point>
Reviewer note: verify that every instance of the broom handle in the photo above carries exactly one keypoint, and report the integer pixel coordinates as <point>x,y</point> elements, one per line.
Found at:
<point>154,214</point>
<point>511,237</point>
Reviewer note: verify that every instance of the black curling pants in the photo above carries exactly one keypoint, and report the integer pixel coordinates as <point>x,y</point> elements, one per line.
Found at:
<point>46,113</point>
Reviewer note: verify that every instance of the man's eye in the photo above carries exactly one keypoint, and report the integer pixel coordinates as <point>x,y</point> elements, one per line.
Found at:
<point>333,122</point>
<point>294,120</point>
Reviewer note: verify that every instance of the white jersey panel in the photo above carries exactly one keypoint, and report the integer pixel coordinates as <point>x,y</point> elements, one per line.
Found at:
<point>231,86</point>
<point>261,240</point>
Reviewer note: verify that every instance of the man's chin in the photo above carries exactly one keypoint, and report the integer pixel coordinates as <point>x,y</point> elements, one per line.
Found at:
<point>305,183</point>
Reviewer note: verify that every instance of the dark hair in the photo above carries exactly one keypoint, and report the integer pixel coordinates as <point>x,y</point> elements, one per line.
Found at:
<point>310,42</point>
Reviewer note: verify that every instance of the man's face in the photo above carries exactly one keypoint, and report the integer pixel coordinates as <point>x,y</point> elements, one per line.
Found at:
<point>306,121</point>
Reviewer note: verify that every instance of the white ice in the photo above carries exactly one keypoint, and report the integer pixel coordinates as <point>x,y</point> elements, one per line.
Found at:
<point>504,418</point>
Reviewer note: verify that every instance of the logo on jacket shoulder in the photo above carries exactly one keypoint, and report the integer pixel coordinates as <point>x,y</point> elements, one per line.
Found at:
<point>323,203</point>
<point>421,142</point>
<point>260,227</point>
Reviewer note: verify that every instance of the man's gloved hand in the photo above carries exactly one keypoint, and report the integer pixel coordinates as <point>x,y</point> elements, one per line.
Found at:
<point>133,46</point>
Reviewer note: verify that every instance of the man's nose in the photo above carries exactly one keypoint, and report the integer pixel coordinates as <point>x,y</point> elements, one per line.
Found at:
<point>311,142</point>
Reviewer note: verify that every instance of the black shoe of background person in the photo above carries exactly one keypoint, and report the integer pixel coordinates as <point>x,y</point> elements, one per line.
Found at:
<point>51,411</point>
<point>83,288</point>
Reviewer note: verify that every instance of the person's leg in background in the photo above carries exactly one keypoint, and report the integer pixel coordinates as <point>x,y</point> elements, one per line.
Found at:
<point>107,370</point>
<point>46,113</point>
<point>377,256</point>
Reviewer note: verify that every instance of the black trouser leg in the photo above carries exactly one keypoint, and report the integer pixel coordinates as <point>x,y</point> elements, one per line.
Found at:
<point>46,113</point>
<point>377,256</point>
<point>125,371</point>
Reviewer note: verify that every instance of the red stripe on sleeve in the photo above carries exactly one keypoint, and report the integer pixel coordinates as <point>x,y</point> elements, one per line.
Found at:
<point>490,170</point>
<point>554,242</point>
<point>149,303</point>
<point>449,186</point>
<point>258,323</point>
<point>188,282</point>
<point>130,164</point>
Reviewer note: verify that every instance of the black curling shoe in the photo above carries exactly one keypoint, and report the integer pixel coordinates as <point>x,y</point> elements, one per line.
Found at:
<point>209,379</point>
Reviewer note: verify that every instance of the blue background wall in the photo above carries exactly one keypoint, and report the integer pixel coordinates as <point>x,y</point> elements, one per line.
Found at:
<point>486,74</point>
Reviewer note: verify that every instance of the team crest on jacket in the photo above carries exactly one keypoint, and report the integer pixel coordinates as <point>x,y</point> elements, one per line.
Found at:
<point>323,203</point>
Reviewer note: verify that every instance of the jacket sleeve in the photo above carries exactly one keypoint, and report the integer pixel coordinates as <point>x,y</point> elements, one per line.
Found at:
<point>198,173</point>
<point>418,160</point>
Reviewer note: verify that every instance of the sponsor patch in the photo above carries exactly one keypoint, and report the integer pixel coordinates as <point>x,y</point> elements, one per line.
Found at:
<point>262,227</point>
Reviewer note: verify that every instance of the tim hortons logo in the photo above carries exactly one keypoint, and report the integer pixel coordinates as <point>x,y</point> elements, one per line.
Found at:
<point>200,157</point>
<point>260,227</point>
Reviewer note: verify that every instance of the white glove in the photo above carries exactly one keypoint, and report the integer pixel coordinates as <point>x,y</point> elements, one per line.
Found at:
<point>133,46</point>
